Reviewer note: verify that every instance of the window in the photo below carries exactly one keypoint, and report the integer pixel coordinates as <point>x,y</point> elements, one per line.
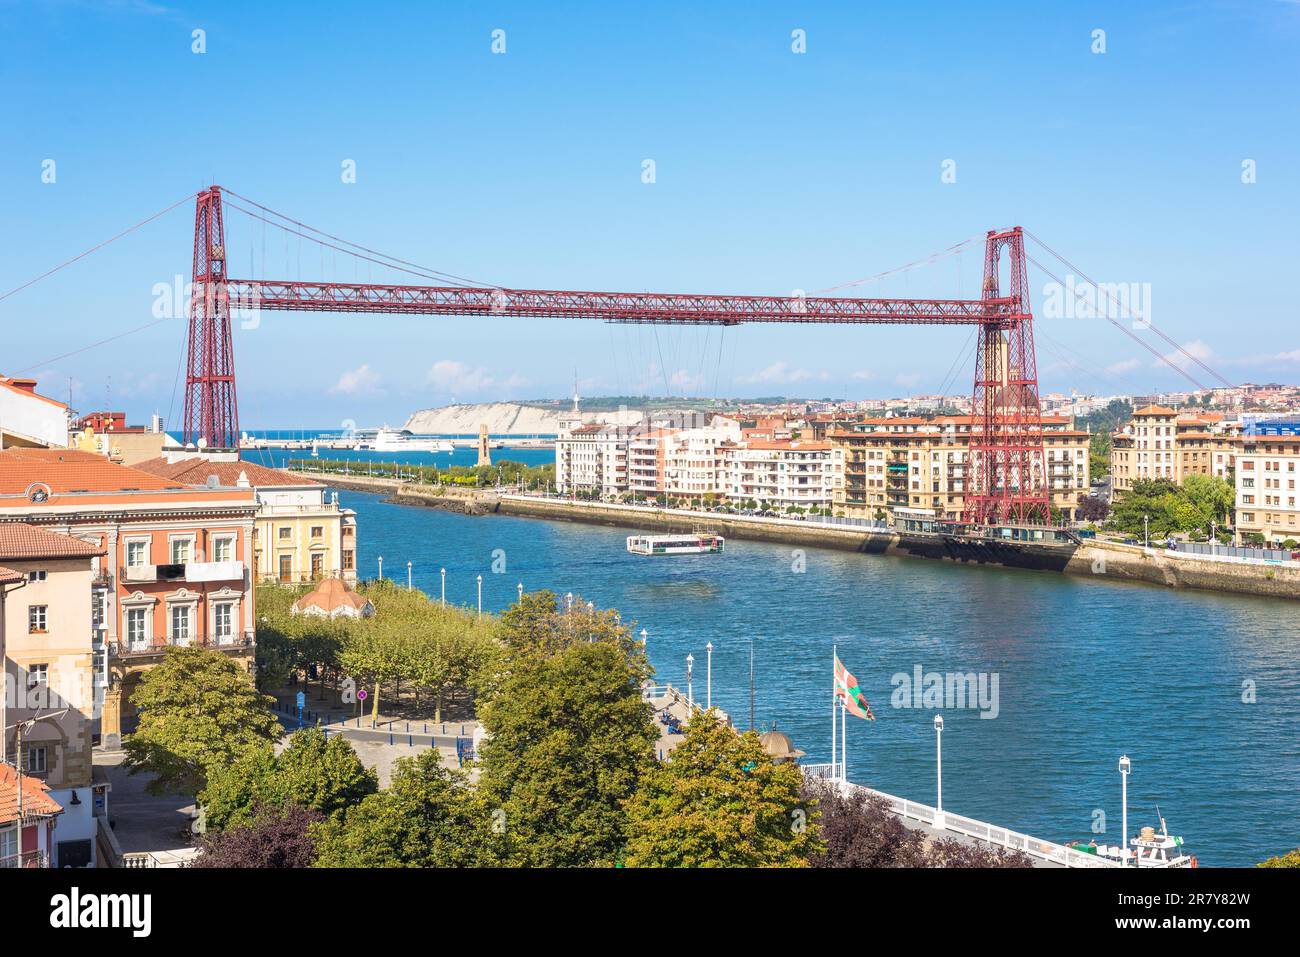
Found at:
<point>285,533</point>
<point>37,576</point>
<point>317,565</point>
<point>223,549</point>
<point>137,554</point>
<point>136,626</point>
<point>181,548</point>
<point>224,621</point>
<point>37,760</point>
<point>181,623</point>
<point>347,560</point>
<point>38,676</point>
<point>36,619</point>
<point>318,531</point>
<point>286,568</point>
<point>8,843</point>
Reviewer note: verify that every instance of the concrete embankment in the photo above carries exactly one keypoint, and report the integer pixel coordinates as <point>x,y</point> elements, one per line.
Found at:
<point>1093,559</point>
<point>1158,566</point>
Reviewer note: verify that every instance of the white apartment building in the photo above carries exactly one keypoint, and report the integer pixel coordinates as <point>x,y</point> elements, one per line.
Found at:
<point>780,474</point>
<point>592,458</point>
<point>694,464</point>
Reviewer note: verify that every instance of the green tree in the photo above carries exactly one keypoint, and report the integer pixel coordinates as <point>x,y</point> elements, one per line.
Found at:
<point>198,711</point>
<point>569,733</point>
<point>720,801</point>
<point>313,772</point>
<point>427,817</point>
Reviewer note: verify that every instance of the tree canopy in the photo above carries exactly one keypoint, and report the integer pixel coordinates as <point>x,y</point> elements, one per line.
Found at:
<point>720,801</point>
<point>198,711</point>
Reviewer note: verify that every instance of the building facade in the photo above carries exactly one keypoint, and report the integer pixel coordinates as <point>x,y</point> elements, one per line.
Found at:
<point>915,466</point>
<point>49,676</point>
<point>1161,443</point>
<point>1268,467</point>
<point>780,474</point>
<point>28,419</point>
<point>301,533</point>
<point>177,568</point>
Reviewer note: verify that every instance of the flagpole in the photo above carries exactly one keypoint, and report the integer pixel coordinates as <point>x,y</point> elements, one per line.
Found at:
<point>834,659</point>
<point>844,741</point>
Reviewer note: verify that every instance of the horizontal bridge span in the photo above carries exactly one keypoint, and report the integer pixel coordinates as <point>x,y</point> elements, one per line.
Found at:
<point>251,294</point>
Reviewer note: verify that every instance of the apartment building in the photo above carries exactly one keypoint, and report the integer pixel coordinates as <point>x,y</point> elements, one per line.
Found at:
<point>177,568</point>
<point>108,434</point>
<point>647,467</point>
<point>1268,466</point>
<point>26,831</point>
<point>1159,442</point>
<point>301,534</point>
<point>694,462</point>
<point>592,458</point>
<point>780,474</point>
<point>50,618</point>
<point>920,465</point>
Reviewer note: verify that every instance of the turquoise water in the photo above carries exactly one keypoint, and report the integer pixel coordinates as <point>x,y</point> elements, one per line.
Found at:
<point>1087,670</point>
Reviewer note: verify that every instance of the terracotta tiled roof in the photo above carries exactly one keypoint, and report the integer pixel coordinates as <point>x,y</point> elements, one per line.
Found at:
<point>36,796</point>
<point>19,540</point>
<point>1154,410</point>
<point>71,470</point>
<point>195,471</point>
<point>333,596</point>
<point>8,576</point>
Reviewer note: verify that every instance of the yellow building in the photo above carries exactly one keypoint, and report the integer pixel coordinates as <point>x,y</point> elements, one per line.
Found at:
<point>300,533</point>
<point>1268,468</point>
<point>1159,442</point>
<point>919,464</point>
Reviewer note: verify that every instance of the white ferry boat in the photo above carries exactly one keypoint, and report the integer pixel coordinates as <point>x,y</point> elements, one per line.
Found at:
<point>393,440</point>
<point>696,543</point>
<point>1149,849</point>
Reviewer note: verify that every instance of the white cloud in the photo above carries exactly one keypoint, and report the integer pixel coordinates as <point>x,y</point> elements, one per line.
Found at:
<point>863,374</point>
<point>908,379</point>
<point>1125,365</point>
<point>1196,349</point>
<point>780,373</point>
<point>359,381</point>
<point>451,375</point>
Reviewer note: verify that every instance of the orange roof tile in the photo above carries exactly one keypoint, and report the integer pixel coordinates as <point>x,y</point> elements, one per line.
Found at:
<point>71,470</point>
<point>333,597</point>
<point>8,576</point>
<point>19,541</point>
<point>36,796</point>
<point>195,471</point>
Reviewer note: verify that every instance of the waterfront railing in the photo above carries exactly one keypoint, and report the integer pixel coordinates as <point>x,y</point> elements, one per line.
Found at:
<point>991,834</point>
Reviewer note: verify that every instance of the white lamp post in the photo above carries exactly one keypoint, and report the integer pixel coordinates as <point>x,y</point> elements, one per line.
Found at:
<point>708,677</point>
<point>938,759</point>
<point>1125,766</point>
<point>690,693</point>
<point>443,573</point>
<point>381,567</point>
<point>568,602</point>
<point>520,589</point>
<point>408,576</point>
<point>643,637</point>
<point>480,596</point>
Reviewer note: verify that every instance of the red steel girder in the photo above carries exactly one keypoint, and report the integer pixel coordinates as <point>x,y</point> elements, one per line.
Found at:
<point>646,307</point>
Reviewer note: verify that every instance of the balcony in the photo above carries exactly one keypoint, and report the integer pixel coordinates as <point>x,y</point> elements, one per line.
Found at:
<point>125,649</point>
<point>28,859</point>
<point>186,572</point>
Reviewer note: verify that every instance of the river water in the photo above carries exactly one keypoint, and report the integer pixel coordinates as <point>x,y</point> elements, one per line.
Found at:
<point>1201,690</point>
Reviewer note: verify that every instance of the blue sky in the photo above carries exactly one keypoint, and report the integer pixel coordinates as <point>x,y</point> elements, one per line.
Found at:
<point>774,171</point>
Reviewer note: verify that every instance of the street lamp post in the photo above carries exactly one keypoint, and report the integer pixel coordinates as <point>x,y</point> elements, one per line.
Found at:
<point>643,637</point>
<point>520,588</point>
<point>408,576</point>
<point>443,574</point>
<point>1146,531</point>
<point>381,567</point>
<point>938,764</point>
<point>690,692</point>
<point>480,596</point>
<point>708,678</point>
<point>1125,765</point>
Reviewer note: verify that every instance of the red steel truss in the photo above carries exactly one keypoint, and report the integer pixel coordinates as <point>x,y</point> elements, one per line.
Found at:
<point>211,411</point>
<point>1006,454</point>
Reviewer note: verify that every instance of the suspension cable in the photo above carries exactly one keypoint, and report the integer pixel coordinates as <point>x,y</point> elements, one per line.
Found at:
<point>97,247</point>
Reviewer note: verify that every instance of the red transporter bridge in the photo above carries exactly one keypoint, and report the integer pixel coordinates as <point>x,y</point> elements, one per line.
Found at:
<point>1007,475</point>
